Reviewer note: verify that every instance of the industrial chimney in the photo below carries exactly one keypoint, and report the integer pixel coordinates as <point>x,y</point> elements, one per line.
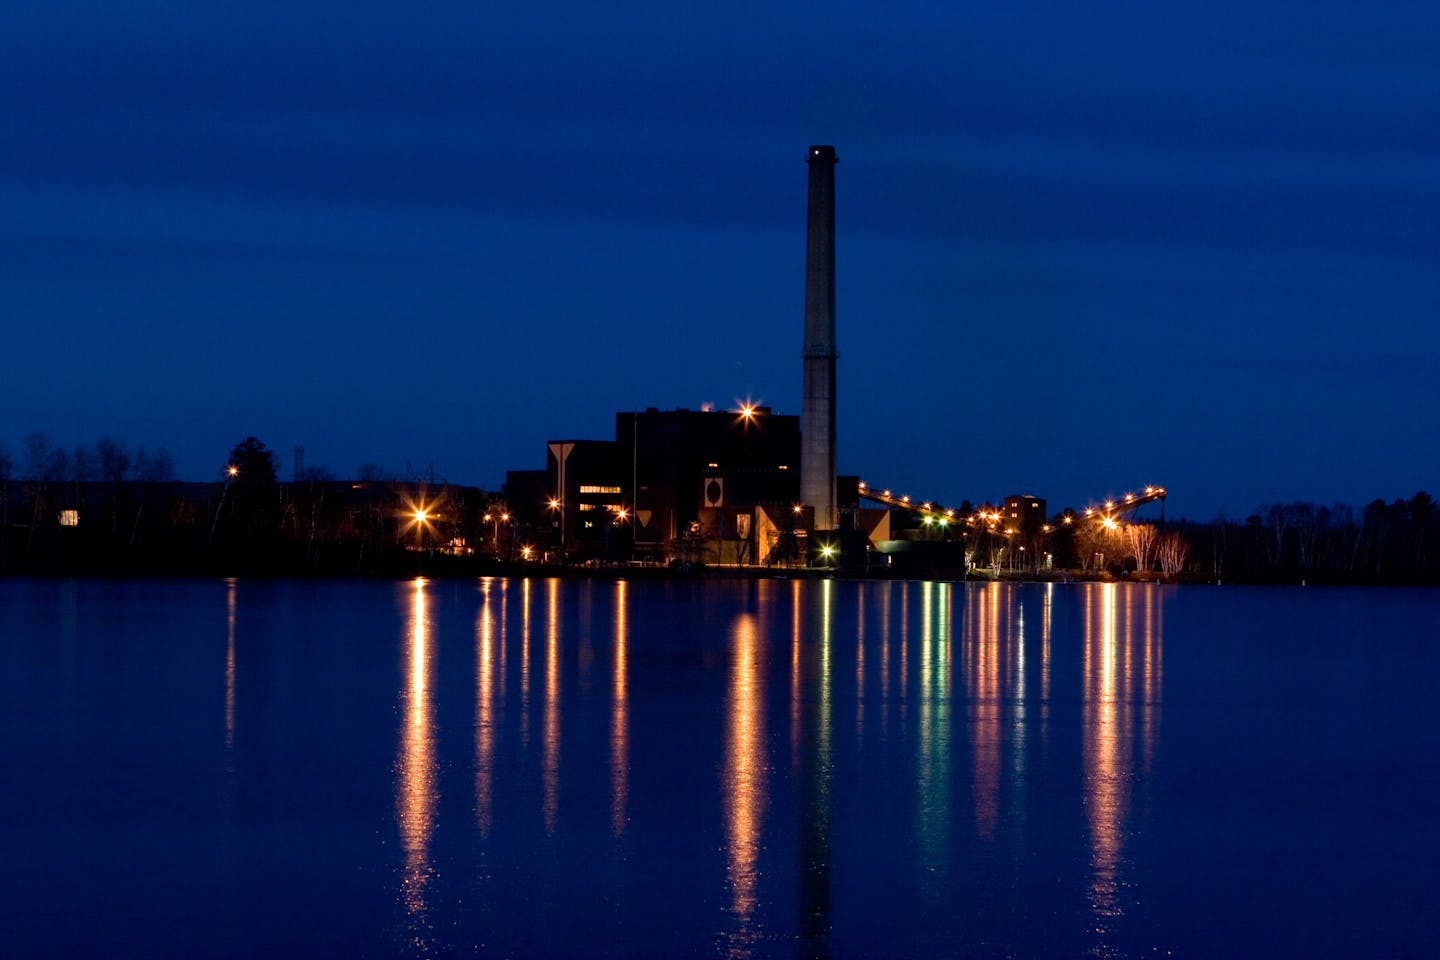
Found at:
<point>817,411</point>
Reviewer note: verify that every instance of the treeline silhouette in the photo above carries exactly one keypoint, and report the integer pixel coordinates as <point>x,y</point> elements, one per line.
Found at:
<point>1395,542</point>
<point>109,510</point>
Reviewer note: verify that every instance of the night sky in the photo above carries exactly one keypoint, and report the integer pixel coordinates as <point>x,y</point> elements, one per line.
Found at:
<point>1082,247</point>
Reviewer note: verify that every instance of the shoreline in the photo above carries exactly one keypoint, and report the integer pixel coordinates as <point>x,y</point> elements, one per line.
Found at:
<point>453,569</point>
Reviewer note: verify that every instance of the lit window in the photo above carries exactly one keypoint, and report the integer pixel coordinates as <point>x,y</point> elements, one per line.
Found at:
<point>586,506</point>
<point>69,518</point>
<point>590,488</point>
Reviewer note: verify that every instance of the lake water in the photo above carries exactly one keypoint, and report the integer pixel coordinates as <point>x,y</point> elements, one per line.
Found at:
<point>672,769</point>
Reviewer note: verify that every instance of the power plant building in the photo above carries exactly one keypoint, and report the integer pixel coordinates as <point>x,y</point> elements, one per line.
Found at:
<point>705,485</point>
<point>740,487</point>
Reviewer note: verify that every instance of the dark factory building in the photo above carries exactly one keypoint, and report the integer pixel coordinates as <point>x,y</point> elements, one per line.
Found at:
<point>710,468</point>
<point>700,485</point>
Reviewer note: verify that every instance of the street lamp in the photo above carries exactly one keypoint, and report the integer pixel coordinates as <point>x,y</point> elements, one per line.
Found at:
<point>620,515</point>
<point>494,519</point>
<point>557,506</point>
<point>420,516</point>
<point>231,472</point>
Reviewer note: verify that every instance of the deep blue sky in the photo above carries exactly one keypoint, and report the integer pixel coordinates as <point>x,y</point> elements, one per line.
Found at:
<point>1082,247</point>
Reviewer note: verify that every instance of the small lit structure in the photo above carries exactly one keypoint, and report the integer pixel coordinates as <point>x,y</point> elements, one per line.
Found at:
<point>1025,513</point>
<point>69,518</point>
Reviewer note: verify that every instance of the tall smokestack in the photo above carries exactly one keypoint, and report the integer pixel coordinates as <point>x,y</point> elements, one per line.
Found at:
<point>817,410</point>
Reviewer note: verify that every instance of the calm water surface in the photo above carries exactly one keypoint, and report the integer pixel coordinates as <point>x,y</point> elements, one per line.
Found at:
<point>546,768</point>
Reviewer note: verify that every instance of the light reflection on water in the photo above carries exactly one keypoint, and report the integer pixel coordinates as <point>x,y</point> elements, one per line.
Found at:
<point>552,705</point>
<point>815,774</point>
<point>977,631</point>
<point>484,710</point>
<point>619,718</point>
<point>1105,766</point>
<point>982,640</point>
<point>416,796</point>
<point>230,674</point>
<point>934,719</point>
<point>1119,647</point>
<point>744,782</point>
<point>762,769</point>
<point>1121,627</point>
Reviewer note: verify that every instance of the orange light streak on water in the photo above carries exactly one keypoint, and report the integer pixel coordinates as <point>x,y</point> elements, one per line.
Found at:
<point>551,748</point>
<point>416,796</point>
<point>1105,738</point>
<point>484,712</point>
<point>620,717</point>
<point>744,785</point>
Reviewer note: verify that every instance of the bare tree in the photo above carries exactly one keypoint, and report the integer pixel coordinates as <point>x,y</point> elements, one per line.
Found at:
<point>7,469</point>
<point>373,473</point>
<point>114,460</point>
<point>44,461</point>
<point>1218,530</point>
<point>1092,541</point>
<point>1173,551</point>
<point>82,465</point>
<point>1140,537</point>
<point>157,467</point>
<point>1307,531</point>
<point>1279,518</point>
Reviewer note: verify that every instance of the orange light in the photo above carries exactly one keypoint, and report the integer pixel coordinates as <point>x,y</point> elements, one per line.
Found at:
<point>232,471</point>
